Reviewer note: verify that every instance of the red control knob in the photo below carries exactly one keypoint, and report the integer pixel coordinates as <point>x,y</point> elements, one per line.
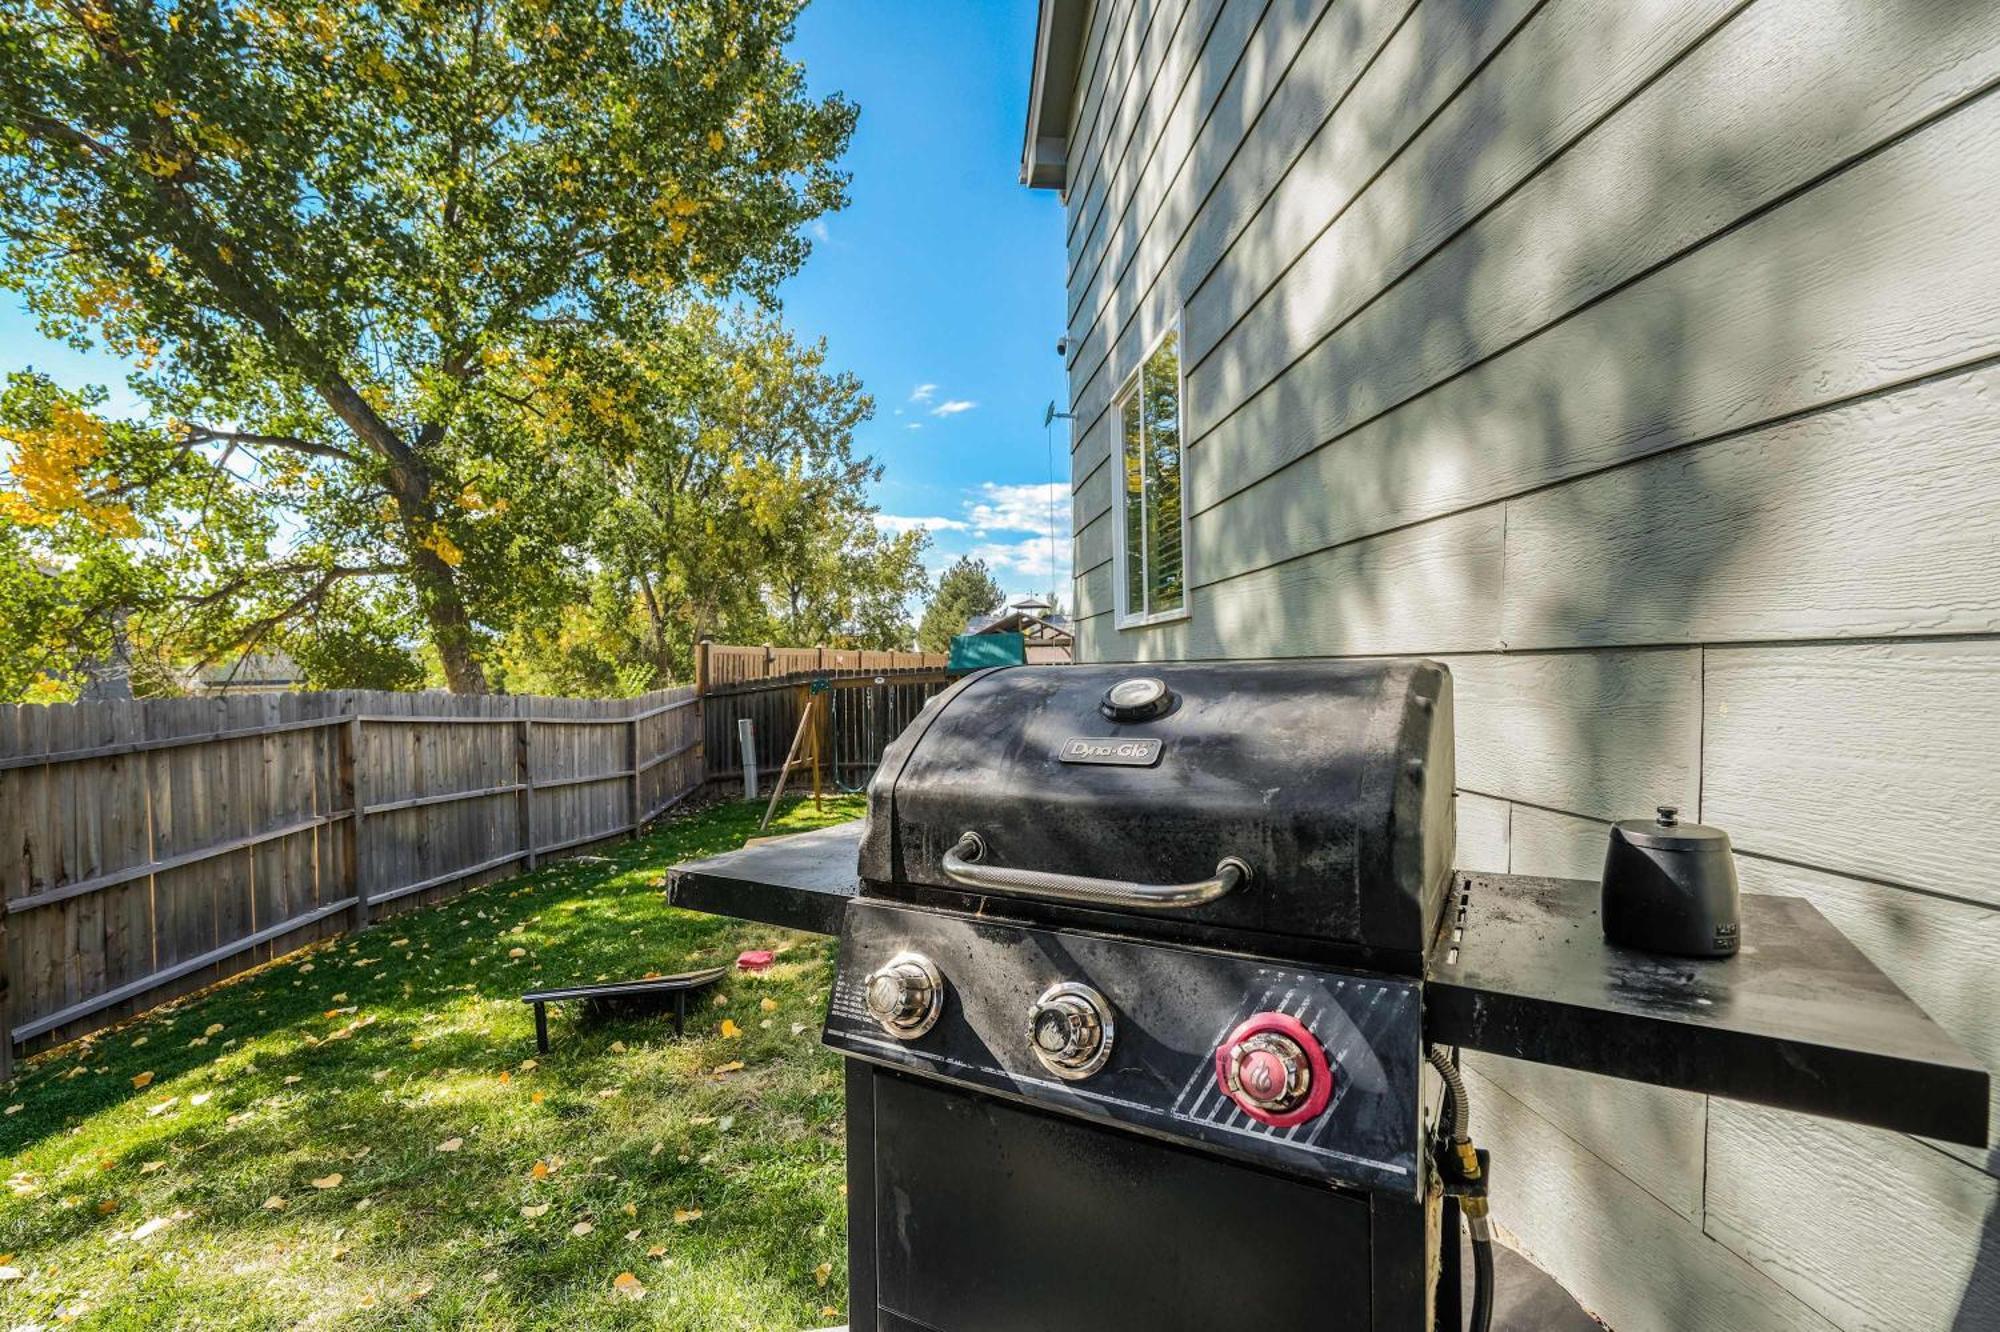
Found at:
<point>1274,1070</point>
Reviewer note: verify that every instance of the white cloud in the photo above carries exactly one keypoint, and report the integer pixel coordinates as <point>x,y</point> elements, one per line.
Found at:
<point>953,407</point>
<point>895,524</point>
<point>818,230</point>
<point>1030,559</point>
<point>1025,508</point>
<point>914,425</point>
<point>923,393</point>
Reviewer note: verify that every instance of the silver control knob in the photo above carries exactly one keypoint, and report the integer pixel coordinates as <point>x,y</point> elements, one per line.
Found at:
<point>905,995</point>
<point>1070,1030</point>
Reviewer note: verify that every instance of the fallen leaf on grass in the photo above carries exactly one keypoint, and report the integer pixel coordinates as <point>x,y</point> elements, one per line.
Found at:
<point>581,1228</point>
<point>517,952</point>
<point>535,1099</point>
<point>213,1029</point>
<point>617,1047</point>
<point>16,1109</point>
<point>162,1107</point>
<point>489,1276</point>
<point>11,1273</point>
<point>201,1098</point>
<point>657,1251</point>
<point>768,1004</point>
<point>630,1209</point>
<point>608,1092</point>
<point>683,1215</point>
<point>142,1080</point>
<point>529,1065</point>
<point>151,1166</point>
<point>822,1273</point>
<point>540,1170</point>
<point>534,1210</point>
<point>158,1224</point>
<point>451,1144</point>
<point>733,1066</point>
<point>274,1203</point>
<point>628,1286</point>
<point>328,1181</point>
<point>730,1030</point>
<point>798,1027</point>
<point>107,1207</point>
<point>293,1078</point>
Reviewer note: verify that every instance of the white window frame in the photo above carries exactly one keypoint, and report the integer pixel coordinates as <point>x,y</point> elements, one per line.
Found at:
<point>1125,617</point>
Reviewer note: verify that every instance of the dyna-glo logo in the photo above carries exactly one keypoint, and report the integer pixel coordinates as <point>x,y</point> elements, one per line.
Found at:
<point>1130,753</point>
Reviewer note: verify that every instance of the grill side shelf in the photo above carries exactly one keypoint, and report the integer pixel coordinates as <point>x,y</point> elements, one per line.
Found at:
<point>1799,1019</point>
<point>801,882</point>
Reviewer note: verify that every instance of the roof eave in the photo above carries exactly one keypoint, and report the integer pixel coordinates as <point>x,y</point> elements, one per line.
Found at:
<point>1059,31</point>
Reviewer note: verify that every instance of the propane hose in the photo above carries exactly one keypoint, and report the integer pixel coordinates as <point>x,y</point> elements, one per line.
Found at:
<point>1472,1200</point>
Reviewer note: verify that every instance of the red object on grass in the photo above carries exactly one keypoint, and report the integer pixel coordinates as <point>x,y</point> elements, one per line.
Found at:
<point>754,959</point>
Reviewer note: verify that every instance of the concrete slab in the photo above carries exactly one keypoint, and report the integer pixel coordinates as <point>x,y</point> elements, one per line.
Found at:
<point>1527,1299</point>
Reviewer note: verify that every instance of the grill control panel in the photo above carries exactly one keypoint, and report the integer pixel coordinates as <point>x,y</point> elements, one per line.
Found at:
<point>1313,1072</point>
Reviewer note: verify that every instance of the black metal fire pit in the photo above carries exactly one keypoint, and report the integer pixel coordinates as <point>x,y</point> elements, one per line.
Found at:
<point>1146,981</point>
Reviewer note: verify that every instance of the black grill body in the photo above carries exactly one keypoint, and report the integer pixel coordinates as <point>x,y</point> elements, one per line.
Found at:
<point>1331,780</point>
<point>1137,969</point>
<point>989,1189</point>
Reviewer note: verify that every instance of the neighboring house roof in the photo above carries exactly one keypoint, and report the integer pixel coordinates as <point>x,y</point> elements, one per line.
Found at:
<point>253,670</point>
<point>1043,637</point>
<point>1052,93</point>
<point>1029,617</point>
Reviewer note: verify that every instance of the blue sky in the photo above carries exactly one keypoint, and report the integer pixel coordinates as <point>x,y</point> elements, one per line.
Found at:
<point>941,284</point>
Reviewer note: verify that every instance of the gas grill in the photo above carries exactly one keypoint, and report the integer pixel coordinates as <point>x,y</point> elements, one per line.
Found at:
<point>1146,979</point>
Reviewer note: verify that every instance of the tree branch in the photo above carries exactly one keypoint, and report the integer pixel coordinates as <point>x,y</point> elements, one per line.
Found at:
<point>209,434</point>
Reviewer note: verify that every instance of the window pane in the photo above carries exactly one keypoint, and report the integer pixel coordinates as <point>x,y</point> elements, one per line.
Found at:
<point>1160,386</point>
<point>1130,452</point>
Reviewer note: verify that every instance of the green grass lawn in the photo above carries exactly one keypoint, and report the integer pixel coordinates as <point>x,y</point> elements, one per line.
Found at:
<point>361,1135</point>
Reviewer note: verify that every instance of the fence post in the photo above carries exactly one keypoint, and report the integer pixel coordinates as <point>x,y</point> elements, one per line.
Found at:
<point>6,1005</point>
<point>633,746</point>
<point>701,677</point>
<point>524,775</point>
<point>350,788</point>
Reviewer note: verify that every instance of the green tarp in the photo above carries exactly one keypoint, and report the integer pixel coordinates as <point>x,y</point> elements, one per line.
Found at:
<point>972,652</point>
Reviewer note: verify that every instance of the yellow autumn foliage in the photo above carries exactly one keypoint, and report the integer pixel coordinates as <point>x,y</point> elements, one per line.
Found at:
<point>51,466</point>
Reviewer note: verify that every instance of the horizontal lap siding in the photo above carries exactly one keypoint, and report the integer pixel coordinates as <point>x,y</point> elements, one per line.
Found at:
<point>1640,361</point>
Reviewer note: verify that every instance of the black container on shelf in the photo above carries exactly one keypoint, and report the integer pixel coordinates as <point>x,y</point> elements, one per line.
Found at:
<point>1670,887</point>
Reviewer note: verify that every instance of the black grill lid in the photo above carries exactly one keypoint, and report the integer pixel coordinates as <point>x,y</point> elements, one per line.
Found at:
<point>1331,780</point>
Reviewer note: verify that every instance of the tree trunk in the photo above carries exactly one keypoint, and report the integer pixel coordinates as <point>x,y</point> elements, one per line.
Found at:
<point>451,627</point>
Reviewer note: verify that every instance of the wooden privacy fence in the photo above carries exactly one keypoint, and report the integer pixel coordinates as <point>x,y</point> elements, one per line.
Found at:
<point>718,664</point>
<point>861,714</point>
<point>155,847</point>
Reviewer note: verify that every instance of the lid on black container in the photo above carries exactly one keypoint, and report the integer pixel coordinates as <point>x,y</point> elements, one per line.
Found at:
<point>1666,832</point>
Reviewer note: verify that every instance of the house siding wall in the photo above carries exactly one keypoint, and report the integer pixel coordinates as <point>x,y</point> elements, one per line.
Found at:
<point>1641,360</point>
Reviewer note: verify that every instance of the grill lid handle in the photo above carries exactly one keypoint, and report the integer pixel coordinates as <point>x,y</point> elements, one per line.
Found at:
<point>964,865</point>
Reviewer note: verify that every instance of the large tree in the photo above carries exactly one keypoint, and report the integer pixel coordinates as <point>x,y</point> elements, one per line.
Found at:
<point>727,500</point>
<point>334,233</point>
<point>964,590</point>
